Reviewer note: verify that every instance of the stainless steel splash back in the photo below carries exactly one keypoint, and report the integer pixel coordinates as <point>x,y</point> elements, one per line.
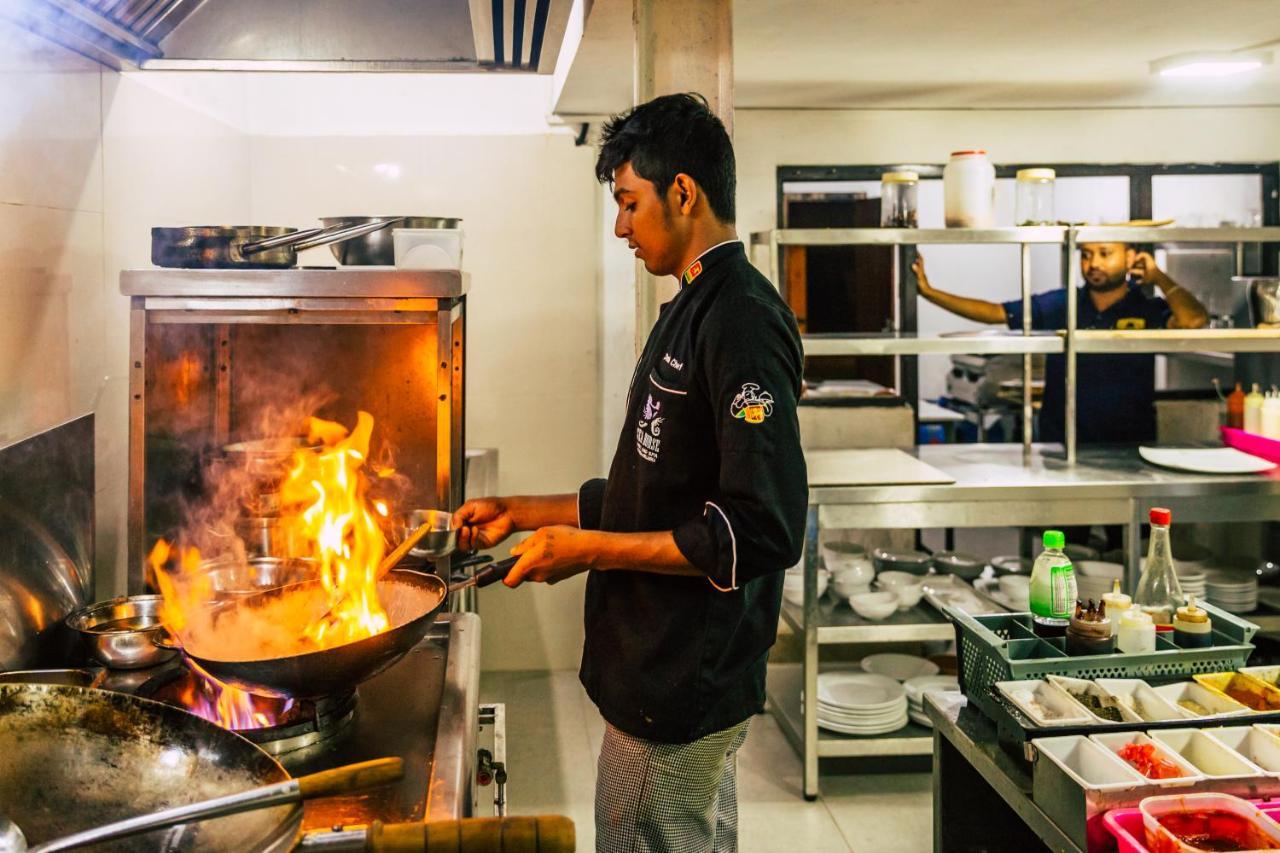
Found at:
<point>46,542</point>
<point>304,35</point>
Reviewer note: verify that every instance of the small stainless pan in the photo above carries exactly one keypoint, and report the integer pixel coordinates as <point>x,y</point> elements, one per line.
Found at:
<point>122,633</point>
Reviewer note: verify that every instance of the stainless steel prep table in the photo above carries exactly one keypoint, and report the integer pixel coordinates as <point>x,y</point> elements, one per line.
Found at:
<point>993,488</point>
<point>982,794</point>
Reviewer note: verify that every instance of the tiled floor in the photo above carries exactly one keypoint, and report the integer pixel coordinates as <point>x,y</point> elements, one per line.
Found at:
<point>553,737</point>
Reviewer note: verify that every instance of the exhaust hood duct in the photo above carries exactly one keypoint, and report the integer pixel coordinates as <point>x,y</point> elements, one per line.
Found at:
<point>303,35</point>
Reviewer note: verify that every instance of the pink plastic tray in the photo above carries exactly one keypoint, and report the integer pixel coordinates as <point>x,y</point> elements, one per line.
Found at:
<point>1126,824</point>
<point>1254,445</point>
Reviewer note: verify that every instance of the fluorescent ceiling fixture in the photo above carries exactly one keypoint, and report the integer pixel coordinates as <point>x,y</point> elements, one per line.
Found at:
<point>1222,64</point>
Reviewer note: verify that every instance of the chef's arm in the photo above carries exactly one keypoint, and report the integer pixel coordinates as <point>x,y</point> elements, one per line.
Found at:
<point>654,552</point>
<point>1188,313</point>
<point>978,310</point>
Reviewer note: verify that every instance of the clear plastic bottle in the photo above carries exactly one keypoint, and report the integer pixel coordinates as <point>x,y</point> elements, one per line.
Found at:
<point>1053,588</point>
<point>1033,203</point>
<point>899,192</point>
<point>1159,592</point>
<point>1271,415</point>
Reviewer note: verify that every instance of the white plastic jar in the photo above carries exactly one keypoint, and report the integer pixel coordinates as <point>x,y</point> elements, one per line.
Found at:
<point>969,190</point>
<point>1137,633</point>
<point>1034,202</point>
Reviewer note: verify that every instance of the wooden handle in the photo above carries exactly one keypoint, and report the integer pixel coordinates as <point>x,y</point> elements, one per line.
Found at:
<point>353,777</point>
<point>389,562</point>
<point>542,834</point>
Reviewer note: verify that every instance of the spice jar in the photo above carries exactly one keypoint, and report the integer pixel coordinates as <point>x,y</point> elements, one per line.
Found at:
<point>1034,202</point>
<point>1089,632</point>
<point>899,196</point>
<point>1137,631</point>
<point>969,190</point>
<point>1192,628</point>
<point>1117,602</point>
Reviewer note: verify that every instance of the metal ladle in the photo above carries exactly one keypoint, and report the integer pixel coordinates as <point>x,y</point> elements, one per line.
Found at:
<point>340,780</point>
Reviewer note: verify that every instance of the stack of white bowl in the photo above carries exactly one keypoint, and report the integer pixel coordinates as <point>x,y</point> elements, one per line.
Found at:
<point>860,703</point>
<point>1235,592</point>
<point>922,684</point>
<point>1095,578</point>
<point>793,584</point>
<point>850,567</point>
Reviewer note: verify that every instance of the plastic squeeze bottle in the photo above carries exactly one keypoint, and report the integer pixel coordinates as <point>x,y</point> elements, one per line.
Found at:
<point>1053,588</point>
<point>1271,416</point>
<point>1117,602</point>
<point>1159,592</point>
<point>1235,408</point>
<point>1253,411</point>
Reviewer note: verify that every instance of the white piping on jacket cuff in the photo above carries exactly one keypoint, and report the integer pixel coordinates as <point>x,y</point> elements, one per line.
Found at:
<point>733,542</point>
<point>577,506</point>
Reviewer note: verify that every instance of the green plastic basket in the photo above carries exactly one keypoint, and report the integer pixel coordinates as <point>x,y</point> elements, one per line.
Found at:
<point>1002,647</point>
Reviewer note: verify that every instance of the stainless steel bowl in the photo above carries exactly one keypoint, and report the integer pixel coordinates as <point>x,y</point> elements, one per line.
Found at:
<point>378,248</point>
<point>122,633</point>
<point>230,579</point>
<point>439,541</point>
<point>1264,299</point>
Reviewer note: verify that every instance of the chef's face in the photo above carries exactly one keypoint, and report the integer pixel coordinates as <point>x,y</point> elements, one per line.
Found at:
<point>1105,265</point>
<point>652,224</point>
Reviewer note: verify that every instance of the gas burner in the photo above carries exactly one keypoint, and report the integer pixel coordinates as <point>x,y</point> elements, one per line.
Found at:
<point>293,731</point>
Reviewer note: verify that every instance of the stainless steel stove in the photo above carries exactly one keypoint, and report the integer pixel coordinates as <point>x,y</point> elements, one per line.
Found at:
<point>423,709</point>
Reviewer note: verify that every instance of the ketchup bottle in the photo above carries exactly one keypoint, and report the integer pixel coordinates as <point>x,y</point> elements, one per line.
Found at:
<point>1235,408</point>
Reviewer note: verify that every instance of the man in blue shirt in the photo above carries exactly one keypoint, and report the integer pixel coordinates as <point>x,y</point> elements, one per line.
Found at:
<point>1115,400</point>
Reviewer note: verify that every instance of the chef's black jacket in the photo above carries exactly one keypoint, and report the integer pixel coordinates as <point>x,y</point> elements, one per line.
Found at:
<point>1115,394</point>
<point>710,449</point>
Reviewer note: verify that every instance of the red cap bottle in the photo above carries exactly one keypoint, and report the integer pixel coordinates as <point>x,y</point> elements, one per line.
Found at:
<point>1161,516</point>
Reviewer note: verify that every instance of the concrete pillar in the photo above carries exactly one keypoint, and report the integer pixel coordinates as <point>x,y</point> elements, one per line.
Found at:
<point>680,46</point>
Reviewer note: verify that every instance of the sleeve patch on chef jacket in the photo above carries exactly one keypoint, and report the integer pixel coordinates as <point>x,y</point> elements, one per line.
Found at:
<point>1131,323</point>
<point>752,405</point>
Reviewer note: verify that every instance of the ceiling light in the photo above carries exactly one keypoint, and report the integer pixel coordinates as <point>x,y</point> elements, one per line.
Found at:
<point>1221,64</point>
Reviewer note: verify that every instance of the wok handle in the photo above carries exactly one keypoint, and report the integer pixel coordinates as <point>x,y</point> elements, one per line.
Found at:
<point>353,777</point>
<point>541,834</point>
<point>349,232</point>
<point>257,246</point>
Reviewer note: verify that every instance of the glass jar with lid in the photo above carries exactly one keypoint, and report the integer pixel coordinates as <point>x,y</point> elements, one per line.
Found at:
<point>1034,203</point>
<point>899,194</point>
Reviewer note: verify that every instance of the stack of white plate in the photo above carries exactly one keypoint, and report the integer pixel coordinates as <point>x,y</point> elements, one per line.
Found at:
<point>1094,578</point>
<point>1233,592</point>
<point>861,703</point>
<point>1193,582</point>
<point>898,667</point>
<point>920,685</point>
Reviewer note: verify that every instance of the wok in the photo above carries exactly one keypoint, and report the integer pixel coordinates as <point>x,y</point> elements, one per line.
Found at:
<point>412,599</point>
<point>72,758</point>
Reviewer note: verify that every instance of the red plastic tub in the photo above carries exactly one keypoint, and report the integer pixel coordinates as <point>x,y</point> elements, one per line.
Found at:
<point>1126,825</point>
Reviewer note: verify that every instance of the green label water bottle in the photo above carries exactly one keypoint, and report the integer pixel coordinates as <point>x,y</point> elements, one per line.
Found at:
<point>1053,588</point>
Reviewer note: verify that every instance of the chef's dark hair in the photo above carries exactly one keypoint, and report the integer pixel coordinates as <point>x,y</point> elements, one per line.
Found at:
<point>667,136</point>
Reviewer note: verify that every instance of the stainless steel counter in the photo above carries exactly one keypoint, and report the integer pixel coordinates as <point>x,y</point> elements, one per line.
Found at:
<point>359,282</point>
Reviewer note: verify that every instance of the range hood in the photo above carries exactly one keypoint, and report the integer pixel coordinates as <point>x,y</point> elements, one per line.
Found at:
<point>303,35</point>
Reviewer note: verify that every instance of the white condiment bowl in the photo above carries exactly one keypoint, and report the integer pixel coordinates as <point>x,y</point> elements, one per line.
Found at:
<point>793,586</point>
<point>908,595</point>
<point>1016,588</point>
<point>845,584</point>
<point>855,572</point>
<point>874,605</point>
<point>895,580</point>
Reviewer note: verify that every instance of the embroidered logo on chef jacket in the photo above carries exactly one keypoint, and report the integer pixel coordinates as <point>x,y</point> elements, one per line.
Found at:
<point>648,430</point>
<point>676,364</point>
<point>1131,323</point>
<point>752,405</point>
<point>694,270</point>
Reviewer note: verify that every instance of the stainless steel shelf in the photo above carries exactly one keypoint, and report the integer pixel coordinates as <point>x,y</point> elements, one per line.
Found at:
<point>910,344</point>
<point>1051,234</point>
<point>837,623</point>
<point>784,685</point>
<point>1177,340</point>
<point>1171,234</point>
<point>360,282</point>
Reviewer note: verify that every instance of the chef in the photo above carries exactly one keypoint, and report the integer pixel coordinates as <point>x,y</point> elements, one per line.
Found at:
<point>1115,397</point>
<point>686,541</point>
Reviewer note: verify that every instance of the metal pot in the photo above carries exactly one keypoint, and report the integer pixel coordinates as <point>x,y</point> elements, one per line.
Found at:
<point>1264,300</point>
<point>378,248</point>
<point>232,580</point>
<point>246,246</point>
<point>122,633</point>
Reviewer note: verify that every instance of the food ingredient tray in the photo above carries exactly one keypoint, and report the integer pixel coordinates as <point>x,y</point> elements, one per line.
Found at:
<point>1125,825</point>
<point>996,648</point>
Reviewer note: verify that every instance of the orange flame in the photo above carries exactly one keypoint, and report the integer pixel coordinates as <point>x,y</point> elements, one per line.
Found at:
<point>324,498</point>
<point>230,707</point>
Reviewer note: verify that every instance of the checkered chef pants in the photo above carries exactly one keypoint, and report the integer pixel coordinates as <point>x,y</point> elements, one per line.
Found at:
<point>668,797</point>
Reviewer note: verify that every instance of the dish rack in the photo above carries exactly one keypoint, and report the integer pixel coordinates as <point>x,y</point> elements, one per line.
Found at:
<point>1002,647</point>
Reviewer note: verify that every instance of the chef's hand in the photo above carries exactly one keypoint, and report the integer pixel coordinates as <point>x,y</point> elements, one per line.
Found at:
<point>922,281</point>
<point>483,523</point>
<point>552,554</point>
<point>1144,270</point>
